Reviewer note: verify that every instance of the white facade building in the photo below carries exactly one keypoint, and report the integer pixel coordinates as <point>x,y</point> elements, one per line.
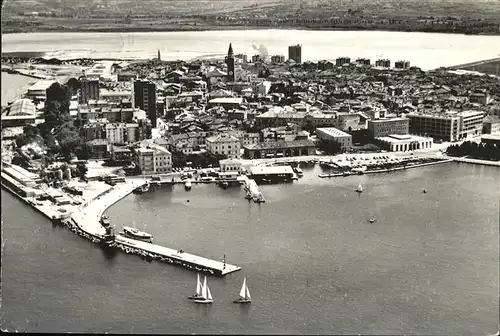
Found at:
<point>331,133</point>
<point>224,144</point>
<point>154,160</point>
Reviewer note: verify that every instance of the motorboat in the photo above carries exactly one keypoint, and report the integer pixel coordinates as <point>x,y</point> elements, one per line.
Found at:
<point>187,185</point>
<point>136,234</point>
<point>224,184</point>
<point>299,171</point>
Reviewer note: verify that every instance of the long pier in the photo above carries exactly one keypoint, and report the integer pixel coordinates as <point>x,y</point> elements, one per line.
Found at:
<point>85,222</point>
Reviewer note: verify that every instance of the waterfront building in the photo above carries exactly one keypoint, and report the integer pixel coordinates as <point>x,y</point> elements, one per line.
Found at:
<point>491,125</point>
<point>384,63</point>
<point>402,143</point>
<point>384,127</point>
<point>402,64</point>
<point>145,98</point>
<point>224,144</point>
<point>447,126</point>
<point>230,165</point>
<point>342,60</point>
<point>333,134</point>
<point>230,64</point>
<point>295,53</point>
<point>89,89</point>
<point>39,90</point>
<point>492,139</point>
<point>21,112</point>
<point>153,160</point>
<point>280,149</point>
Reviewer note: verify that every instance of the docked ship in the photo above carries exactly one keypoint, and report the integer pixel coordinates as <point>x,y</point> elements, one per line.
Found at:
<point>136,234</point>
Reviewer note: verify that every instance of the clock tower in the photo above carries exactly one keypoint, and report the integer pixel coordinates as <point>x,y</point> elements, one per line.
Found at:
<point>230,64</point>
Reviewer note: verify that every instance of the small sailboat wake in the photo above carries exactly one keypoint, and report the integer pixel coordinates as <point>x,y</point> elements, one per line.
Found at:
<point>244,293</point>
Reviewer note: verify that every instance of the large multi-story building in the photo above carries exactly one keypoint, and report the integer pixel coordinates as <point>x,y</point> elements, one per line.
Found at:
<point>89,89</point>
<point>491,125</point>
<point>224,144</point>
<point>277,59</point>
<point>145,98</point>
<point>384,127</point>
<point>153,160</point>
<point>448,126</point>
<point>333,134</point>
<point>295,53</point>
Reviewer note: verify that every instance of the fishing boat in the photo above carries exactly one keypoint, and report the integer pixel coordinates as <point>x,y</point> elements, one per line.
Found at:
<point>359,189</point>
<point>198,289</point>
<point>136,234</point>
<point>244,293</point>
<point>206,296</point>
<point>187,185</point>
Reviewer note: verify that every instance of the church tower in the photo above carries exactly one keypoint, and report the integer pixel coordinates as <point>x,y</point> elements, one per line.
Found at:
<point>230,64</point>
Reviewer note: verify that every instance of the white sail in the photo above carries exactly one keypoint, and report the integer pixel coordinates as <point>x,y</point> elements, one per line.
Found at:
<point>198,285</point>
<point>248,294</point>
<point>209,295</point>
<point>243,288</point>
<point>204,289</point>
<point>360,188</point>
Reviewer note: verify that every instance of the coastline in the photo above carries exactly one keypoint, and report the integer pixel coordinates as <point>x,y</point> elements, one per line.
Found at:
<point>195,28</point>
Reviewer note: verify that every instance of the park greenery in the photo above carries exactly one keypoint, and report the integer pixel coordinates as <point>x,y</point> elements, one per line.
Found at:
<point>60,133</point>
<point>485,151</point>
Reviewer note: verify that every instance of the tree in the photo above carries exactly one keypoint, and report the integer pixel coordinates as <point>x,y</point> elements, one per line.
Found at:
<point>82,170</point>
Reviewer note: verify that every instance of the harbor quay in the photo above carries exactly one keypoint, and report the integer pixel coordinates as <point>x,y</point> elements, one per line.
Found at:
<point>85,221</point>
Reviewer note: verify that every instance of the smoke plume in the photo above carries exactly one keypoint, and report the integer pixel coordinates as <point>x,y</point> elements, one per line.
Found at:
<point>263,53</point>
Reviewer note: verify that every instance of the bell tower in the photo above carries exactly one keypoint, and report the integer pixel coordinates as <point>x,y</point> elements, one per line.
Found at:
<point>230,64</point>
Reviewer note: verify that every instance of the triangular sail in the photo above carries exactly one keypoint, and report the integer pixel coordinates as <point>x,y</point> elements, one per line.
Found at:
<point>209,295</point>
<point>247,294</point>
<point>204,289</point>
<point>243,288</point>
<point>198,285</point>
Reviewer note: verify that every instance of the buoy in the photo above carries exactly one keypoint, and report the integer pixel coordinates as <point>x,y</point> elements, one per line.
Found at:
<point>188,201</point>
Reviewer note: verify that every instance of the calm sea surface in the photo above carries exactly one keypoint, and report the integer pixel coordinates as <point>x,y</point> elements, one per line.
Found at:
<point>426,50</point>
<point>13,86</point>
<point>429,265</point>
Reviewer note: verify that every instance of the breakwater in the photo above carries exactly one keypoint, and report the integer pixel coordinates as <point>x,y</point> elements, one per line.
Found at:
<point>85,223</point>
<point>385,170</point>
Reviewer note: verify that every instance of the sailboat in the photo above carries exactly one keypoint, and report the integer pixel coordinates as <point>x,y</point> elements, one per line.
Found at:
<point>206,296</point>
<point>244,293</point>
<point>359,189</point>
<point>198,289</point>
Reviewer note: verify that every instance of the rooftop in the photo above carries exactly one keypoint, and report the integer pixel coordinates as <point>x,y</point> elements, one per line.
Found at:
<point>22,107</point>
<point>281,144</point>
<point>332,131</point>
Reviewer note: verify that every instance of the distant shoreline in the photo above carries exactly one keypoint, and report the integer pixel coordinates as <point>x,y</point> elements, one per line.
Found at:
<point>193,28</point>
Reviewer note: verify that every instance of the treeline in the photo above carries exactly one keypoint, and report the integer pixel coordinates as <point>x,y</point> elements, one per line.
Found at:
<point>484,151</point>
<point>60,133</point>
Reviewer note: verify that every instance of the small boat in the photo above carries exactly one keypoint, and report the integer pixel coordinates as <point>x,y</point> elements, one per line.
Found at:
<point>244,293</point>
<point>224,184</point>
<point>142,189</point>
<point>206,296</point>
<point>372,220</point>
<point>299,171</point>
<point>359,189</point>
<point>187,185</point>
<point>424,191</point>
<point>133,233</point>
<point>198,289</point>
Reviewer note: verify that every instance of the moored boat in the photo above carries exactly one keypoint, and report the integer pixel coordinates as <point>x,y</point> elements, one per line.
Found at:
<point>136,234</point>
<point>187,185</point>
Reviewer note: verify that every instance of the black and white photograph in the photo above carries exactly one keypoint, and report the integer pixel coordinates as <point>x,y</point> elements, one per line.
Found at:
<point>250,167</point>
